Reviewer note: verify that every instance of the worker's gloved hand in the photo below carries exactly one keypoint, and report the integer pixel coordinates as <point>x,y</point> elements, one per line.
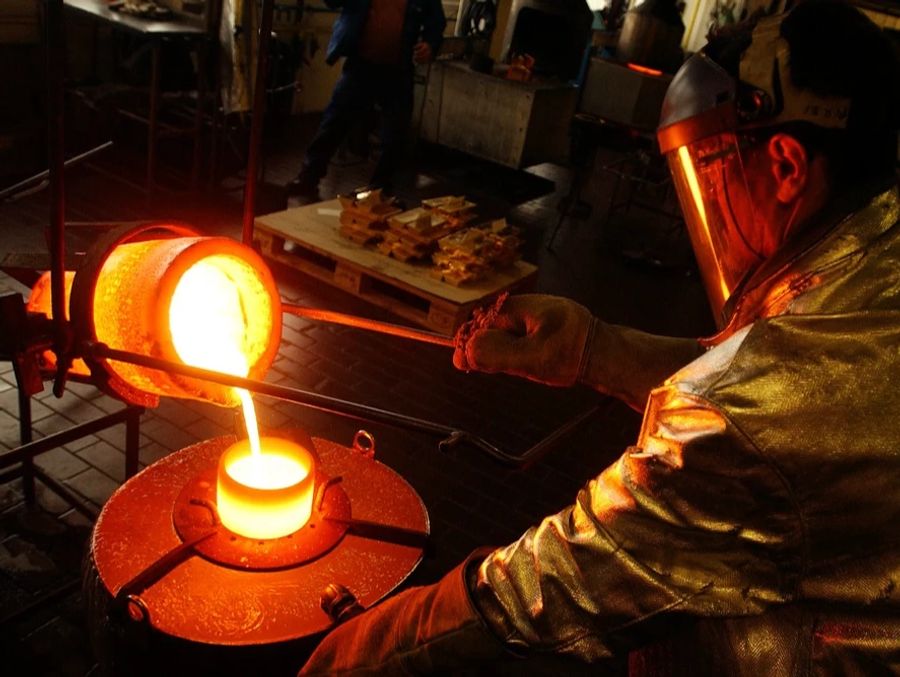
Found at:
<point>538,337</point>
<point>435,628</point>
<point>556,341</point>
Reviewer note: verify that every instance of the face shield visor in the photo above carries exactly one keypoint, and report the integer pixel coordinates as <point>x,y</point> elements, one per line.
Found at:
<point>718,206</point>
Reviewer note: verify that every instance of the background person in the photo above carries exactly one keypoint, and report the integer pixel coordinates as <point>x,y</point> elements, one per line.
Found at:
<point>382,41</point>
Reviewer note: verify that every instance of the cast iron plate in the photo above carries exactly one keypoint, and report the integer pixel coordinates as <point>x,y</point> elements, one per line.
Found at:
<point>204,601</point>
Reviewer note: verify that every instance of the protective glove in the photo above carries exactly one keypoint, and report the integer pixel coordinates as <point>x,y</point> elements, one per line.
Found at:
<point>538,337</point>
<point>429,629</point>
<point>556,341</point>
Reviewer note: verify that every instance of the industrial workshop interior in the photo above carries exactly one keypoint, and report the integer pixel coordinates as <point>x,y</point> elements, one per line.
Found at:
<point>275,384</point>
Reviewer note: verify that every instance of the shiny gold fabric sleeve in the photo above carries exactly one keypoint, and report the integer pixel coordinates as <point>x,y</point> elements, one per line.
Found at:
<point>693,520</point>
<point>628,363</point>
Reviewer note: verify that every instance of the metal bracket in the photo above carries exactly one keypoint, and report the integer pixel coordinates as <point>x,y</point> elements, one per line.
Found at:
<point>339,603</point>
<point>364,443</point>
<point>128,597</point>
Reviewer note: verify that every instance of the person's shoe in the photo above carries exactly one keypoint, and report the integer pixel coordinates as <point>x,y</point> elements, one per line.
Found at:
<point>303,188</point>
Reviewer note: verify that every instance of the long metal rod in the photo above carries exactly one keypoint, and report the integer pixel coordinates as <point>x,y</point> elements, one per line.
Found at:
<point>539,450</point>
<point>368,325</point>
<point>153,114</point>
<point>24,455</point>
<point>171,559</point>
<point>55,46</point>
<point>304,397</point>
<point>387,533</point>
<point>256,120</point>
<point>32,449</point>
<point>26,435</point>
<point>452,436</point>
<point>14,189</point>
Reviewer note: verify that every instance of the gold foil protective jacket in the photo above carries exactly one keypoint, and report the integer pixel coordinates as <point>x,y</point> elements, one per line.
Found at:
<point>753,528</point>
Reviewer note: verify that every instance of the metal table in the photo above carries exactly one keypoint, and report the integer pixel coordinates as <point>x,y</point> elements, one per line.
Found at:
<point>156,32</point>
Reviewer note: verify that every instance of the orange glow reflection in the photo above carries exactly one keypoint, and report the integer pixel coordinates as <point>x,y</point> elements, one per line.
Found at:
<point>644,69</point>
<point>39,301</point>
<point>693,182</point>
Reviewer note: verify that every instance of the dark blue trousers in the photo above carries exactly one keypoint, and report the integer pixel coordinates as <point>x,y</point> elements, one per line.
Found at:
<point>361,85</point>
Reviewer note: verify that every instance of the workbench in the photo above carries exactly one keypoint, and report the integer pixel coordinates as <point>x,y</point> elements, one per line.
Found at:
<point>157,33</point>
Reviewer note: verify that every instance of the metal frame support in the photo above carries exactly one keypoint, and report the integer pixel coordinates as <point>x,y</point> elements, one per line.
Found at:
<point>257,119</point>
<point>26,453</point>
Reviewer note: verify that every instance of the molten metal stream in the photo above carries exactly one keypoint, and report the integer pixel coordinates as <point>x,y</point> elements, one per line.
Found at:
<point>264,488</point>
<point>250,420</point>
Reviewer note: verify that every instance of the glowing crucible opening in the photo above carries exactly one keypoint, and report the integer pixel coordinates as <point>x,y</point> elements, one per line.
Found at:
<point>209,302</point>
<point>265,495</point>
<point>264,485</point>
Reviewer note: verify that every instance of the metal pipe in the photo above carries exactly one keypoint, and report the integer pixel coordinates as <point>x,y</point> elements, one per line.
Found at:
<point>25,436</point>
<point>453,436</point>
<point>369,325</point>
<point>256,121</point>
<point>55,46</point>
<point>539,450</point>
<point>13,191</point>
<point>387,533</point>
<point>171,559</point>
<point>132,442</point>
<point>304,397</point>
<point>32,449</point>
<point>153,114</point>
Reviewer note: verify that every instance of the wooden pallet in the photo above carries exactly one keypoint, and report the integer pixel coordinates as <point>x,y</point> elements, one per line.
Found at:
<point>307,238</point>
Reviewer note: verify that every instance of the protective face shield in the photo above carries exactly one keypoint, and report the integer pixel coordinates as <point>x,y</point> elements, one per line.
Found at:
<point>708,126</point>
<point>719,211</point>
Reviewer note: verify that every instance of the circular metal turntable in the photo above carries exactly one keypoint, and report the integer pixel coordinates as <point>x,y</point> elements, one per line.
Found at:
<point>195,517</point>
<point>232,592</point>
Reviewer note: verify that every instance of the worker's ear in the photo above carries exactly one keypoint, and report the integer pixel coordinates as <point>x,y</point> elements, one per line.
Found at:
<point>790,166</point>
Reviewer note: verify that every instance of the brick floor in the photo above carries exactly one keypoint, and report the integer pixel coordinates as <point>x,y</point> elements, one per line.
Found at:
<point>471,499</point>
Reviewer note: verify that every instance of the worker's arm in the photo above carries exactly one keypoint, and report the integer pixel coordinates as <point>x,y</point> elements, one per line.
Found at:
<point>555,341</point>
<point>693,521</point>
<point>628,363</point>
<point>424,630</point>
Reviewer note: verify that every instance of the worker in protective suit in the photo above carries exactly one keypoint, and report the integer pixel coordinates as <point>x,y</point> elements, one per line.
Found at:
<point>753,527</point>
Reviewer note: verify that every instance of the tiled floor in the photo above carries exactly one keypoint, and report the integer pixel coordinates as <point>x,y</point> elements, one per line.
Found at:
<point>633,270</point>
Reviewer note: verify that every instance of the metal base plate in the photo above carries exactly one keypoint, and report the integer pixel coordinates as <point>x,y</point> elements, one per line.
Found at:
<point>193,516</point>
<point>204,601</point>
